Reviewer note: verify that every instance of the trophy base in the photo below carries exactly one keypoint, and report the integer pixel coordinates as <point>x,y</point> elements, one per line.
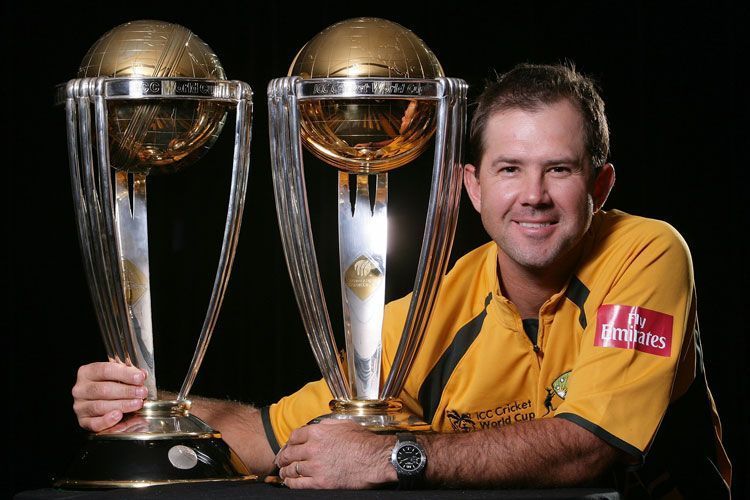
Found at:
<point>160,444</point>
<point>379,416</point>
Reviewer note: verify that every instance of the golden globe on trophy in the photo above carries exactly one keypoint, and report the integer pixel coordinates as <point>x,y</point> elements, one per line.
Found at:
<point>366,96</point>
<point>150,98</point>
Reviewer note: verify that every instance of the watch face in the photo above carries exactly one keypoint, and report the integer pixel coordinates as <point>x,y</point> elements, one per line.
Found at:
<point>409,457</point>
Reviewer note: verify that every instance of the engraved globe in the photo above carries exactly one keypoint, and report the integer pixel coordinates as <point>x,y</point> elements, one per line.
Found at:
<point>156,136</point>
<point>366,135</point>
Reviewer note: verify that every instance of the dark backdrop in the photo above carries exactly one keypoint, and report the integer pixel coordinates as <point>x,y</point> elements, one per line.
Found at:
<point>669,75</point>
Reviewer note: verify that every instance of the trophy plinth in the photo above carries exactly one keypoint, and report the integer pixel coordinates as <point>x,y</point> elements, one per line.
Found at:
<point>366,96</point>
<point>162,443</point>
<point>377,415</point>
<point>150,98</point>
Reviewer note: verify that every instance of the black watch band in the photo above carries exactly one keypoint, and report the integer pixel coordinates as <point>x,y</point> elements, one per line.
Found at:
<point>410,461</point>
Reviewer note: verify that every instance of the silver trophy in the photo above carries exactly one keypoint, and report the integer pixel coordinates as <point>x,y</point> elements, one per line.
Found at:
<point>150,98</point>
<point>366,96</point>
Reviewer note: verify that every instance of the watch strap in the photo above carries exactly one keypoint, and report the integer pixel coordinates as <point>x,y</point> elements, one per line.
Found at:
<point>404,437</point>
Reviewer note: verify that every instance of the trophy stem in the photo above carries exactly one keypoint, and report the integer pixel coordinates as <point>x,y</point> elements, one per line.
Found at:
<point>131,226</point>
<point>240,171</point>
<point>97,194</point>
<point>82,211</point>
<point>296,233</point>
<point>440,229</point>
<point>112,256</point>
<point>363,239</point>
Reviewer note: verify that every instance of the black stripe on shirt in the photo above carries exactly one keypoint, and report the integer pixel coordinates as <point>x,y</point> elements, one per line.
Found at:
<point>531,327</point>
<point>265,416</point>
<point>433,386</point>
<point>605,436</point>
<point>577,293</point>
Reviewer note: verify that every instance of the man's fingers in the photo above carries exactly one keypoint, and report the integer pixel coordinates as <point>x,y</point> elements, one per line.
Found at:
<point>111,371</point>
<point>97,424</point>
<point>108,390</point>
<point>290,454</point>
<point>303,483</point>
<point>286,472</point>
<point>297,469</point>
<point>299,435</point>
<point>291,450</point>
<point>101,408</point>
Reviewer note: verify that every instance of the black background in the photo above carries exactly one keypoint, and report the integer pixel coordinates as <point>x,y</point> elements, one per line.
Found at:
<point>670,77</point>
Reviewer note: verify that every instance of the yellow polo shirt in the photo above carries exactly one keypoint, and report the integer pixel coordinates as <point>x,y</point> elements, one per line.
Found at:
<point>615,354</point>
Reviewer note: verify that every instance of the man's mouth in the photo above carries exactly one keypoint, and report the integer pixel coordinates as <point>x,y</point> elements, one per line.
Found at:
<point>534,225</point>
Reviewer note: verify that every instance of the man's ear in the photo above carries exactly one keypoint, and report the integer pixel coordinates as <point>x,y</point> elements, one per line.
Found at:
<point>471,182</point>
<point>603,183</point>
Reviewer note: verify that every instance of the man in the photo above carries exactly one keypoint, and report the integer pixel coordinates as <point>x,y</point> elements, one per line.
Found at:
<point>570,312</point>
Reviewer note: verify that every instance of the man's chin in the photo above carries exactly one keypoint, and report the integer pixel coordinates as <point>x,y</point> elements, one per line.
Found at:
<point>532,259</point>
<point>532,262</point>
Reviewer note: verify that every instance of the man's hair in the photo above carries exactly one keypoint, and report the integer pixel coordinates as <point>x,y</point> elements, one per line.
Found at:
<point>529,87</point>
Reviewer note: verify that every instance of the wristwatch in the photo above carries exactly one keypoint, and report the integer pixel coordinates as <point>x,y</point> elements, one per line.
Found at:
<point>410,461</point>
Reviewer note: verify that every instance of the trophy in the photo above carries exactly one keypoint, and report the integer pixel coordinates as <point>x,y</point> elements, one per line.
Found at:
<point>159,98</point>
<point>366,96</point>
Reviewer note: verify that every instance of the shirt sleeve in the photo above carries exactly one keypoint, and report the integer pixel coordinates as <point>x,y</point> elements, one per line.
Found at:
<point>623,378</point>
<point>296,410</point>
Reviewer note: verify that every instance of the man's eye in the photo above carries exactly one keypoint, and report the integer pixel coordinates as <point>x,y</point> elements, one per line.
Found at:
<point>559,169</point>
<point>508,170</point>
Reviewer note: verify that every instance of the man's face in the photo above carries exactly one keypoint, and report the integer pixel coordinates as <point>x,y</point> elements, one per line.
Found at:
<point>535,189</point>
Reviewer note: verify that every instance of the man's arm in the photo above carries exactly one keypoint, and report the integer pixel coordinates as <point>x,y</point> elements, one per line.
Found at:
<point>103,392</point>
<point>542,453</point>
<point>241,427</point>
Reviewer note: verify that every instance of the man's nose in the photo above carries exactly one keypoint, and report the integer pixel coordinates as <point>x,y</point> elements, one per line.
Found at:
<point>534,190</point>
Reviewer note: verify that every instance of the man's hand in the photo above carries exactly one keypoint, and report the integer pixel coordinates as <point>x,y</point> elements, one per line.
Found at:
<point>105,391</point>
<point>336,454</point>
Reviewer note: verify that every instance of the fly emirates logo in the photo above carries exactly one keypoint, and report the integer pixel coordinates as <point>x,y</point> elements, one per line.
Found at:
<point>629,327</point>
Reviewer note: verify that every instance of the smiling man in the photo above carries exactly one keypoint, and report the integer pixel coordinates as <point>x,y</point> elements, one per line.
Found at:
<point>564,352</point>
<point>537,189</point>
